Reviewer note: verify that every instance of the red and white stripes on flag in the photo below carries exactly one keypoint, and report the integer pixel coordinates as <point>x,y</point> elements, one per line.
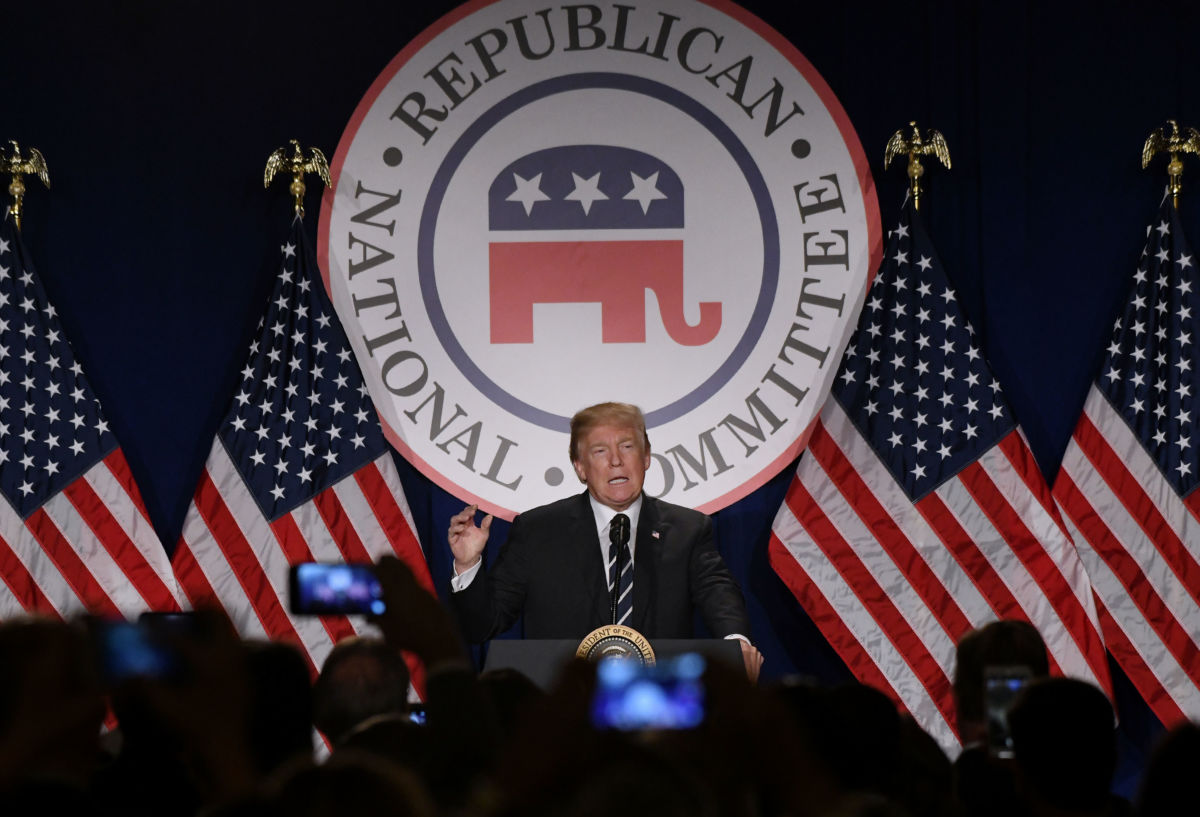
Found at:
<point>894,584</point>
<point>231,556</point>
<point>299,472</point>
<point>88,549</point>
<point>917,512</point>
<point>74,535</point>
<point>1130,479</point>
<point>1140,542</point>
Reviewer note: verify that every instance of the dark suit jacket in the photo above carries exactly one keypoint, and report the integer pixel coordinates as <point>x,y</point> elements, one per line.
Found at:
<point>551,570</point>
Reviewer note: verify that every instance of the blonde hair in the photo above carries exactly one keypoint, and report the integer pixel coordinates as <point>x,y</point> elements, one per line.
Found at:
<point>623,415</point>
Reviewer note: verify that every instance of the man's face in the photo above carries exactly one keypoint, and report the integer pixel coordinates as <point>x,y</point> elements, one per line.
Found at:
<point>612,463</point>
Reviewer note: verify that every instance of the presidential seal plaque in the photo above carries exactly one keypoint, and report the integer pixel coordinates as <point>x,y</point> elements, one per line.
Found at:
<point>537,208</point>
<point>615,641</point>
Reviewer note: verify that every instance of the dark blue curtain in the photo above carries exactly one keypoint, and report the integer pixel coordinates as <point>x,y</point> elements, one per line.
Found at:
<point>157,242</point>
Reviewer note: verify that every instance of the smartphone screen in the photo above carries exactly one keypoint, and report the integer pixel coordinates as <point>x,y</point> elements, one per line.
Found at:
<point>127,649</point>
<point>334,589</point>
<point>1001,686</point>
<point>666,695</point>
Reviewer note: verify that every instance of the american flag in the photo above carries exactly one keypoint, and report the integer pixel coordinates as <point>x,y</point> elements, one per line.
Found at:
<point>299,471</point>
<point>74,535</point>
<point>918,512</point>
<point>1128,480</point>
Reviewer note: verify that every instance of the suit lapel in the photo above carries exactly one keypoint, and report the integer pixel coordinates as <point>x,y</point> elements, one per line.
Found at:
<point>590,559</point>
<point>645,563</point>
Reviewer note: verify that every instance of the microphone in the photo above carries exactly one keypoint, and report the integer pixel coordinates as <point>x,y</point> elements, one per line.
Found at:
<point>618,537</point>
<point>618,530</point>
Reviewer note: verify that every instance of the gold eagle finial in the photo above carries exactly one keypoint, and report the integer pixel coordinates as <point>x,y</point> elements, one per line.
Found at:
<point>915,145</point>
<point>1173,143</point>
<point>297,165</point>
<point>17,166</point>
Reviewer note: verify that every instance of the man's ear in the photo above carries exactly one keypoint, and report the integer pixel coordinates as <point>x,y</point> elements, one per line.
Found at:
<point>579,471</point>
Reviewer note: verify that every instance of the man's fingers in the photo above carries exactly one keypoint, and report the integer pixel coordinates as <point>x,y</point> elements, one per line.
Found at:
<point>486,524</point>
<point>753,660</point>
<point>461,522</point>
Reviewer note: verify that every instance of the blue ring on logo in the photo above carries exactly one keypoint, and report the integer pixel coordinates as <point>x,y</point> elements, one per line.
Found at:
<point>621,82</point>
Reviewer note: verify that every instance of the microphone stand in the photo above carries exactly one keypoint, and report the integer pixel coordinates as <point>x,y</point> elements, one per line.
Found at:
<point>618,534</point>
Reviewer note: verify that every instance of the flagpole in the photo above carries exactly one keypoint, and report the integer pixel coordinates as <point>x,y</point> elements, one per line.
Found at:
<point>17,166</point>
<point>915,145</point>
<point>279,161</point>
<point>1173,144</point>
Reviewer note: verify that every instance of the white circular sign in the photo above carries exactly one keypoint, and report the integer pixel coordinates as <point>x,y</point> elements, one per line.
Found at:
<point>540,208</point>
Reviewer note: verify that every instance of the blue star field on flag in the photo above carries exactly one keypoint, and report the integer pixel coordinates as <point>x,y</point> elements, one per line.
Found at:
<point>302,419</point>
<point>1147,373</point>
<point>51,426</point>
<point>913,379</point>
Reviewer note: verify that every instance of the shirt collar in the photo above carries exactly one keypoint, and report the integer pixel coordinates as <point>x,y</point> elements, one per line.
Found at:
<point>604,516</point>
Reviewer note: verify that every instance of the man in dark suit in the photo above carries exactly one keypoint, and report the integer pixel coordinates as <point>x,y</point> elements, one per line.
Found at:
<point>555,570</point>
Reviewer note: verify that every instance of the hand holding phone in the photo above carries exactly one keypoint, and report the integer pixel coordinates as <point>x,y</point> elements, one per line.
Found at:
<point>1001,686</point>
<point>144,648</point>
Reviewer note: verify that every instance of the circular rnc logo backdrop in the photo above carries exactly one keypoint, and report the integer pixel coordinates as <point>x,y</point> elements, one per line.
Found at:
<point>540,208</point>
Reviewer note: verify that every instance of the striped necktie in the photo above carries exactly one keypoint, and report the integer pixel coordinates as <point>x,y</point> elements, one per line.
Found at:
<point>625,597</point>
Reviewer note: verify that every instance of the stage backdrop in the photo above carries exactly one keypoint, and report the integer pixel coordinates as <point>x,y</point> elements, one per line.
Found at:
<point>158,245</point>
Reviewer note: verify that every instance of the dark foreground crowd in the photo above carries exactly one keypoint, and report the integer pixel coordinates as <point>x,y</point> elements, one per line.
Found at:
<point>228,732</point>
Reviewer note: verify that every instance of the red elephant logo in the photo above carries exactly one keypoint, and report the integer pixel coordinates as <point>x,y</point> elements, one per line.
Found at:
<point>614,274</point>
<point>591,191</point>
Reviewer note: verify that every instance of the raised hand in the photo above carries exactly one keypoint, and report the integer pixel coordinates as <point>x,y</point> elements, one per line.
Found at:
<point>467,539</point>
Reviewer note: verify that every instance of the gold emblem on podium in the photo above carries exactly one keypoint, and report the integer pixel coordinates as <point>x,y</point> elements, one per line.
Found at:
<point>615,641</point>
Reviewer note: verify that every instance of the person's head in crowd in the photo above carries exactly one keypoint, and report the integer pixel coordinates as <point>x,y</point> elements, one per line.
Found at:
<point>349,783</point>
<point>280,708</point>
<point>362,678</point>
<point>1004,643</point>
<point>740,760</point>
<point>51,704</point>
<point>396,740</point>
<point>863,728</point>
<point>804,702</point>
<point>925,775</point>
<point>185,725</point>
<point>1064,746</point>
<point>856,730</point>
<point>1169,785</point>
<point>512,694</point>
<point>636,778</point>
<point>866,805</point>
<point>866,757</point>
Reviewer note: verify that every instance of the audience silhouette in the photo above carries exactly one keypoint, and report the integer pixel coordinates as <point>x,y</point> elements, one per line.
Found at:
<point>225,728</point>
